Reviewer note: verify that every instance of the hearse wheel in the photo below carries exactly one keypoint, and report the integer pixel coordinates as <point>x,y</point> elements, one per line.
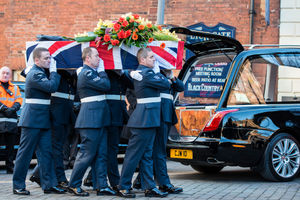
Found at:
<point>281,160</point>
<point>209,169</point>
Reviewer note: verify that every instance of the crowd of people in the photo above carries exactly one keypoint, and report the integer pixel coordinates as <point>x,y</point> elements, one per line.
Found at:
<point>48,112</point>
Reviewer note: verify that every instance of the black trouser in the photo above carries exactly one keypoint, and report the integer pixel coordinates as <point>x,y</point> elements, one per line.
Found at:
<point>70,147</point>
<point>9,139</point>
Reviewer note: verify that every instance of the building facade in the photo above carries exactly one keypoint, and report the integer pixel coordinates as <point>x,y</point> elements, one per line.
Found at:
<point>22,20</point>
<point>289,34</point>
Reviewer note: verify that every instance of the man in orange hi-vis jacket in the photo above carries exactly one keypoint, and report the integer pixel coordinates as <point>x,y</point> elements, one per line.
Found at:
<point>10,103</point>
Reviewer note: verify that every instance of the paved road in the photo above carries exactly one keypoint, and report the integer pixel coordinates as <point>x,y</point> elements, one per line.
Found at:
<point>231,183</point>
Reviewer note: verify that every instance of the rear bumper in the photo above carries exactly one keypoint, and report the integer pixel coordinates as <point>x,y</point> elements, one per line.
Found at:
<point>201,152</point>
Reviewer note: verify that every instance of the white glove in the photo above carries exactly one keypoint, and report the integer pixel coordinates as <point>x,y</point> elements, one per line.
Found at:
<point>156,67</point>
<point>169,74</point>
<point>27,69</point>
<point>78,70</point>
<point>136,75</point>
<point>52,67</point>
<point>100,67</point>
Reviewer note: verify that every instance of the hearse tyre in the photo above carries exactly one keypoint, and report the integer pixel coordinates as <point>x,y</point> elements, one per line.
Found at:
<point>281,160</point>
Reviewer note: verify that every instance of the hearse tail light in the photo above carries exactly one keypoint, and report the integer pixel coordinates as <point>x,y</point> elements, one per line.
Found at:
<point>214,122</point>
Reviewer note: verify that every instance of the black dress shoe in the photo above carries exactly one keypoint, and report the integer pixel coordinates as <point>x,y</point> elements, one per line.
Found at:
<point>9,170</point>
<point>63,185</point>
<point>78,191</point>
<point>115,188</point>
<point>155,193</point>
<point>137,184</point>
<point>106,191</point>
<point>171,189</point>
<point>126,194</point>
<point>21,191</point>
<point>54,190</point>
<point>35,179</point>
<point>88,182</point>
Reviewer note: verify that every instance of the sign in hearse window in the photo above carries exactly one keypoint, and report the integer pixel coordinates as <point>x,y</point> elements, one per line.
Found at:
<point>267,79</point>
<point>204,81</point>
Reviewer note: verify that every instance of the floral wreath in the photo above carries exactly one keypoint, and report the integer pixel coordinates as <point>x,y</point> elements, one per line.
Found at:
<point>130,29</point>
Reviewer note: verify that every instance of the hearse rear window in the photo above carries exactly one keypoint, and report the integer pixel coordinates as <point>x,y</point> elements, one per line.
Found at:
<point>267,79</point>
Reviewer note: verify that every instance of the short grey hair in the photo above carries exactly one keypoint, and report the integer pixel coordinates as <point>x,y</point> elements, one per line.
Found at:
<point>142,53</point>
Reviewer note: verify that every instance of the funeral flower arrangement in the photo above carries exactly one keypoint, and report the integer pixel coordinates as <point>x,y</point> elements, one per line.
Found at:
<point>129,29</point>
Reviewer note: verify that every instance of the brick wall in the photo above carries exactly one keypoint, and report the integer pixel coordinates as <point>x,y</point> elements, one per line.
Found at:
<point>22,20</point>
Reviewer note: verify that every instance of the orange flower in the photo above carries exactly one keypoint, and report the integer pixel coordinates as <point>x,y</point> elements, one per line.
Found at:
<point>162,45</point>
<point>136,16</point>
<point>131,20</point>
<point>117,27</point>
<point>115,42</point>
<point>150,40</point>
<point>136,30</point>
<point>149,25</point>
<point>159,27</point>
<point>135,36</point>
<point>141,27</point>
<point>106,38</point>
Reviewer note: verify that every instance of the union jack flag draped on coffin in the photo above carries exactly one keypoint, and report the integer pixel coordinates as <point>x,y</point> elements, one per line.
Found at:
<point>68,54</point>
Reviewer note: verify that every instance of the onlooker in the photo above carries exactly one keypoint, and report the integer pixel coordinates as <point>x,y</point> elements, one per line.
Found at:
<point>10,103</point>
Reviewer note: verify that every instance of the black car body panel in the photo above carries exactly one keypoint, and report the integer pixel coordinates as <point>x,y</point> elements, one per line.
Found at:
<point>253,127</point>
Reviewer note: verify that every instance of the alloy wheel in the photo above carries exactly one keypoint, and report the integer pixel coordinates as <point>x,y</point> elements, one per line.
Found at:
<point>286,158</point>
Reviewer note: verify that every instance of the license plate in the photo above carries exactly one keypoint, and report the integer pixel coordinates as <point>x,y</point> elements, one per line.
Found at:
<point>181,153</point>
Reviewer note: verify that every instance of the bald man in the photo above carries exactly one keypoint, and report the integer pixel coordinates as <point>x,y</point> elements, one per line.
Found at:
<point>10,103</point>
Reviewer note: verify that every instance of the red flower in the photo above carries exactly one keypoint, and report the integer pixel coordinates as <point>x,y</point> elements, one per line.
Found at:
<point>106,38</point>
<point>121,19</point>
<point>150,40</point>
<point>121,34</point>
<point>127,33</point>
<point>115,42</point>
<point>136,16</point>
<point>149,25</point>
<point>131,20</point>
<point>141,27</point>
<point>117,26</point>
<point>159,27</point>
<point>162,45</point>
<point>125,23</point>
<point>135,36</point>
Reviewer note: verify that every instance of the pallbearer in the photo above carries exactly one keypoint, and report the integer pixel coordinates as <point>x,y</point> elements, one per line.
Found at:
<point>92,120</point>
<point>143,123</point>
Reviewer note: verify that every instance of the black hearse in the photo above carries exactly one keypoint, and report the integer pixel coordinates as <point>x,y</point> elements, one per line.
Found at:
<point>239,108</point>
